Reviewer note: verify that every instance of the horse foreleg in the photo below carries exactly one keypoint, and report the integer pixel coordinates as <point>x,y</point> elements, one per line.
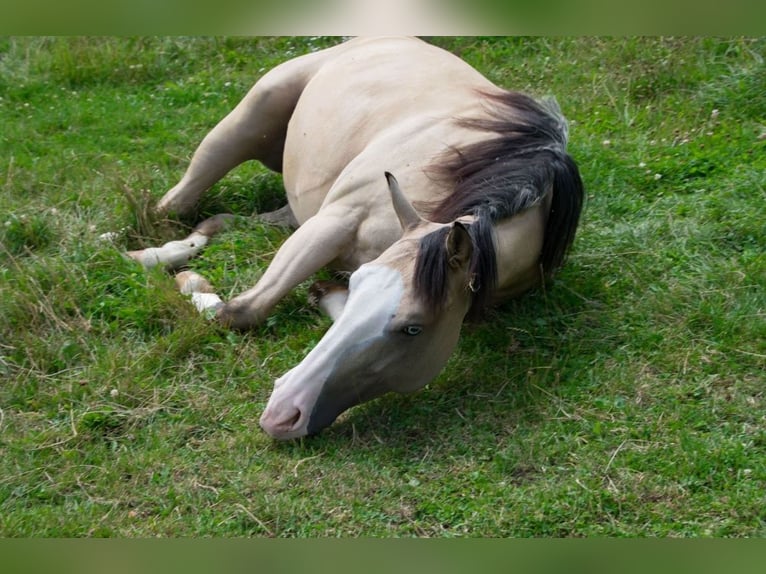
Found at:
<point>175,254</point>
<point>200,290</point>
<point>318,242</point>
<point>330,297</point>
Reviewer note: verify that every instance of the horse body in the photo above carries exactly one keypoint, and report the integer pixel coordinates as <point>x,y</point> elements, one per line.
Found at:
<point>344,102</point>
<point>422,254</point>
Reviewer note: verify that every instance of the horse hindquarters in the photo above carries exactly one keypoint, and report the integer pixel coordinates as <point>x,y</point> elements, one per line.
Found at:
<point>254,130</point>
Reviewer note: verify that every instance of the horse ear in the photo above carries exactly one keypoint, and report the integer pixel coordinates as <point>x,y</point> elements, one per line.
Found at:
<point>459,246</point>
<point>407,215</point>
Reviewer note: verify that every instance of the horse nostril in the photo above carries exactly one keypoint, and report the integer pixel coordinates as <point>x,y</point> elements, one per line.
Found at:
<point>293,422</point>
<point>283,422</point>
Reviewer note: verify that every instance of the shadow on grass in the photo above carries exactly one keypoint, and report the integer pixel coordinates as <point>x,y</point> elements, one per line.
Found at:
<point>506,368</point>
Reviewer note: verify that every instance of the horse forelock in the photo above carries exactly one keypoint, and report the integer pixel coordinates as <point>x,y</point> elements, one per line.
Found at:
<point>432,269</point>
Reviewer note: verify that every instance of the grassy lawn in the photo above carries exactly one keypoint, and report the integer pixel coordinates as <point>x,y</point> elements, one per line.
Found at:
<point>627,399</point>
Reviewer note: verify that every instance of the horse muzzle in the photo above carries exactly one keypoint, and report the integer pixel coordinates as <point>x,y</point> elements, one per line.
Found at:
<point>283,420</point>
<point>284,423</point>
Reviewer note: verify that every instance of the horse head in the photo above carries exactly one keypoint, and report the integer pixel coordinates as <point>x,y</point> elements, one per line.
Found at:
<point>399,325</point>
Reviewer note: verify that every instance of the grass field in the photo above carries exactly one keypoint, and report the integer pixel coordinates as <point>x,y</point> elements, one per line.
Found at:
<point>627,399</point>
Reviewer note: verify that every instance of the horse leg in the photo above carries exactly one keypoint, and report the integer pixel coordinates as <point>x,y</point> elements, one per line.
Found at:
<point>254,129</point>
<point>283,217</point>
<point>201,291</point>
<point>175,254</point>
<point>316,243</point>
<point>330,297</point>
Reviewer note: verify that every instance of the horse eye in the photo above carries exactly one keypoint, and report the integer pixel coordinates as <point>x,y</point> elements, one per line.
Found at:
<point>412,330</point>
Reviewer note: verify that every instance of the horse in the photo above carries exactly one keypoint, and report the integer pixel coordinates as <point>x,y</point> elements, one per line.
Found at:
<point>438,191</point>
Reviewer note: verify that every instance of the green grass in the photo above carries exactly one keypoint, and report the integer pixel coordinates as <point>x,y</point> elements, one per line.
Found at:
<point>627,399</point>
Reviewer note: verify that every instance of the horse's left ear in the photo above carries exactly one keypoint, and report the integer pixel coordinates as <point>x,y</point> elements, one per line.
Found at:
<point>407,215</point>
<point>459,246</point>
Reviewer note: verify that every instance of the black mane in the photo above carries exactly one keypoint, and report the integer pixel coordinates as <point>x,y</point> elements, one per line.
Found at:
<point>522,158</point>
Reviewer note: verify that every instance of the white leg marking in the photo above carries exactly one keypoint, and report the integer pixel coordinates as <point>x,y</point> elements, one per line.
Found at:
<point>173,254</point>
<point>202,296</point>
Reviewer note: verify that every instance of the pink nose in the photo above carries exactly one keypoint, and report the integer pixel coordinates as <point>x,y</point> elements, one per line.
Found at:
<point>283,423</point>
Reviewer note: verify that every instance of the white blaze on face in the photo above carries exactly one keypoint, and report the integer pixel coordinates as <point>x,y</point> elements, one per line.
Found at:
<point>375,292</point>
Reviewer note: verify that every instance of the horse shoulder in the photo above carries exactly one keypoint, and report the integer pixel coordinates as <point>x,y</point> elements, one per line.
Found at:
<point>365,206</point>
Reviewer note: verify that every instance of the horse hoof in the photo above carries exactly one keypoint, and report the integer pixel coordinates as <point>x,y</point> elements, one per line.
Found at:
<point>189,282</point>
<point>214,225</point>
<point>235,318</point>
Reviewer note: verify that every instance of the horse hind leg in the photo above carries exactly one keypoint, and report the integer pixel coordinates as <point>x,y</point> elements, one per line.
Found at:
<point>244,134</point>
<point>254,130</point>
<point>282,217</point>
<point>176,254</point>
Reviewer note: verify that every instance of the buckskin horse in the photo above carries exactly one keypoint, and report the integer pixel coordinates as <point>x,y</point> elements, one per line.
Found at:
<point>438,191</point>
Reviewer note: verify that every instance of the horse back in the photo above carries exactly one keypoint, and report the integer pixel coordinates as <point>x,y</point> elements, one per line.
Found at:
<point>375,105</point>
